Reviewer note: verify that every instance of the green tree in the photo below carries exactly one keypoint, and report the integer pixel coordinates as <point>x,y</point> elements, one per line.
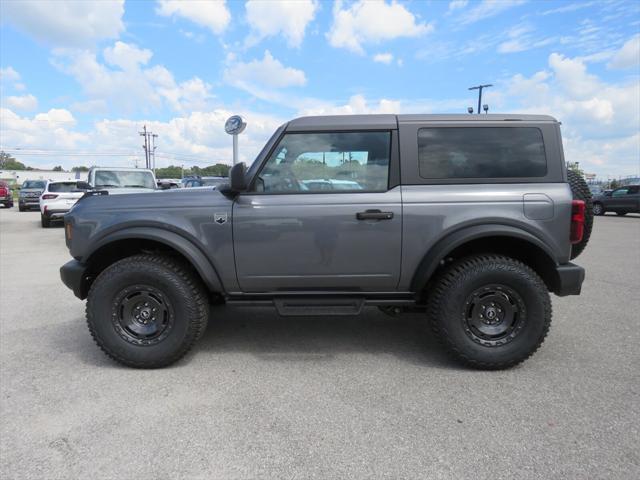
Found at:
<point>614,184</point>
<point>7,162</point>
<point>172,171</point>
<point>81,168</point>
<point>58,168</point>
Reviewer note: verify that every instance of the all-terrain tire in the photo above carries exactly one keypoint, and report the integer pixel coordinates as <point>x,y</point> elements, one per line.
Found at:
<point>580,191</point>
<point>168,284</point>
<point>501,282</point>
<point>45,222</point>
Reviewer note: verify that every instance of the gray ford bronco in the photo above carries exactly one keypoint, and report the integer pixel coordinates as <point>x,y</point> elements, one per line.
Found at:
<point>471,219</point>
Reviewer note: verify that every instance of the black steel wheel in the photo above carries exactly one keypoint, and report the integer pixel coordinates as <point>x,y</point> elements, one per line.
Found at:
<point>494,315</point>
<point>598,209</point>
<point>490,311</point>
<point>147,311</point>
<point>142,315</point>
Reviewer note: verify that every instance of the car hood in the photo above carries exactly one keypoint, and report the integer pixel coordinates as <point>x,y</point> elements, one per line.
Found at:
<point>125,191</point>
<point>160,199</point>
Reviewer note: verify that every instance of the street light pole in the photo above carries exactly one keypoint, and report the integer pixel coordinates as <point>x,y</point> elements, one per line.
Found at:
<point>479,88</point>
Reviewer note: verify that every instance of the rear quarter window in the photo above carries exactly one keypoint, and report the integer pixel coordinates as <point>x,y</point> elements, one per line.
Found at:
<point>481,152</point>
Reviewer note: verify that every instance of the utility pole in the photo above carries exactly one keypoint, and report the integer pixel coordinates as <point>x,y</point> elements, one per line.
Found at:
<point>153,149</point>
<point>149,147</point>
<point>479,88</point>
<point>146,145</point>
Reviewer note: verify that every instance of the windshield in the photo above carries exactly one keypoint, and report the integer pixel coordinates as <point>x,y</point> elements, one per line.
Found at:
<point>63,187</point>
<point>123,179</point>
<point>33,184</point>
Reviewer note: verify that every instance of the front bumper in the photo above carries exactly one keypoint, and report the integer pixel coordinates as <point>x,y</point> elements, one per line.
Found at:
<point>73,275</point>
<point>569,278</point>
<point>29,202</point>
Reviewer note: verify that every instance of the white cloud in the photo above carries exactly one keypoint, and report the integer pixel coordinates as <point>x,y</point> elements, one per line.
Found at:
<point>22,102</point>
<point>212,14</point>
<point>357,104</point>
<point>126,56</point>
<point>487,9</point>
<point>263,77</point>
<point>67,23</point>
<point>600,120</point>
<point>372,21</point>
<point>628,56</point>
<point>130,85</point>
<point>386,58</point>
<point>9,74</point>
<point>279,17</point>
<point>197,138</point>
<point>457,4</point>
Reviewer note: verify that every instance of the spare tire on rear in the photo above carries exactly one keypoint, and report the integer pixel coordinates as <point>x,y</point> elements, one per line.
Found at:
<point>581,191</point>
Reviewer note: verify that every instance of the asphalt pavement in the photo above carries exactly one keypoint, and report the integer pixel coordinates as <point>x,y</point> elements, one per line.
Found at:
<point>356,397</point>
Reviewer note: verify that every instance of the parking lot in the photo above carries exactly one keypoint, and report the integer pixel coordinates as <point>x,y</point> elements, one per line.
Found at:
<point>268,397</point>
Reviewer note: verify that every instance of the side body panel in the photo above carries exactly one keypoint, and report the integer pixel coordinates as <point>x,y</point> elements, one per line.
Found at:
<point>315,242</point>
<point>433,212</point>
<point>162,215</point>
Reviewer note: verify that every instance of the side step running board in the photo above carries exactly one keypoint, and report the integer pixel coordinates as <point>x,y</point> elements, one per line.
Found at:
<point>290,307</point>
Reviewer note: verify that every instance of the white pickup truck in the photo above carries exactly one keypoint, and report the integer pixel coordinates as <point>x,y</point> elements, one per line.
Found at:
<point>120,180</point>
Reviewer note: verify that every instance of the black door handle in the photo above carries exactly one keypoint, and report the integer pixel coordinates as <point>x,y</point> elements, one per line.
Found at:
<point>374,215</point>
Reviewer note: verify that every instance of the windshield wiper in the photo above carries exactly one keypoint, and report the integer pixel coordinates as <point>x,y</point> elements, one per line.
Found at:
<point>136,186</point>
<point>107,185</point>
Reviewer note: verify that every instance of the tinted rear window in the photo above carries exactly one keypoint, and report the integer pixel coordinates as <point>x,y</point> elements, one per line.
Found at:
<point>62,187</point>
<point>481,152</point>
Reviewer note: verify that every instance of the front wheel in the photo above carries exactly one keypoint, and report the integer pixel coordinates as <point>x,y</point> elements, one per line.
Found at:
<point>490,311</point>
<point>621,214</point>
<point>598,209</point>
<point>147,311</point>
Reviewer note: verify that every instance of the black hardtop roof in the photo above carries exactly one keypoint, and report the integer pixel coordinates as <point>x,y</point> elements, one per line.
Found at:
<point>389,121</point>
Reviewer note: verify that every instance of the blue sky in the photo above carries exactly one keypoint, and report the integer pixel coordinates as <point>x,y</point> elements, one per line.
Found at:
<point>80,79</point>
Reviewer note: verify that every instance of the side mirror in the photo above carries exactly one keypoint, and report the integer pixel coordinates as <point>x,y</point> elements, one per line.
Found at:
<point>82,185</point>
<point>237,181</point>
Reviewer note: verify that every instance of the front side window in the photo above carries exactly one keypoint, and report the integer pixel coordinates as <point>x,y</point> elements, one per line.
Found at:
<point>620,192</point>
<point>328,162</point>
<point>481,152</point>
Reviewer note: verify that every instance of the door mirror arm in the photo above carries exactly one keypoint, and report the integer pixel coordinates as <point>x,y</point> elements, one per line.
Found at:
<point>237,181</point>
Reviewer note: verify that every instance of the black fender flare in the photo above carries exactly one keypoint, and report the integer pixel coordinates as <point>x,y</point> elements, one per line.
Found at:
<point>182,245</point>
<point>453,240</point>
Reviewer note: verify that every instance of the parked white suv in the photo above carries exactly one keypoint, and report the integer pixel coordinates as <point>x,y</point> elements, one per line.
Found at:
<point>57,199</point>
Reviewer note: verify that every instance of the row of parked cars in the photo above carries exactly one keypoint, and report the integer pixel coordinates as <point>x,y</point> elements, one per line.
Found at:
<point>55,198</point>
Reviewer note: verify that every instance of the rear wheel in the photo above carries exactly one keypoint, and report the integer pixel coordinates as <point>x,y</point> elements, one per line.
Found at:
<point>622,214</point>
<point>580,191</point>
<point>490,311</point>
<point>147,311</point>
<point>45,221</point>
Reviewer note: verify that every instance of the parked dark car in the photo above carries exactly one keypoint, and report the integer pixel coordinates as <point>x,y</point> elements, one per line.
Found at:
<point>30,192</point>
<point>205,182</point>
<point>6,195</point>
<point>622,200</point>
